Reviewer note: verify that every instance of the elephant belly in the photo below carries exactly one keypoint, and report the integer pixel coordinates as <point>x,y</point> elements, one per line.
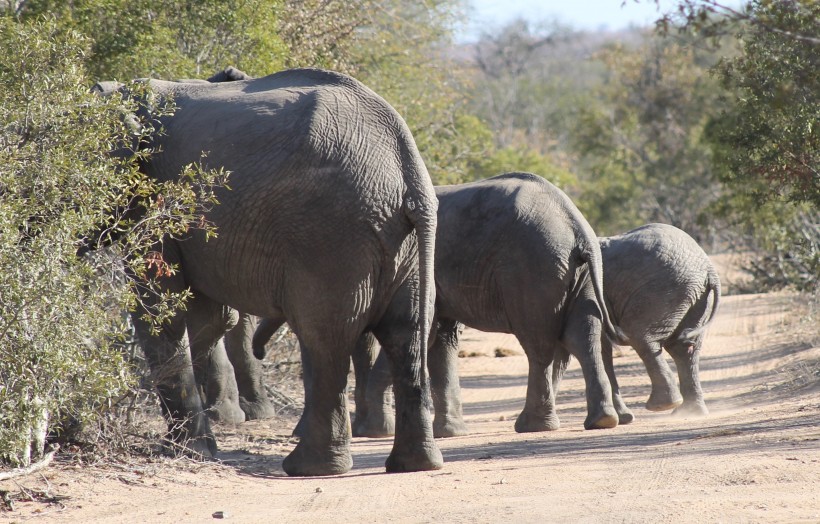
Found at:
<point>478,310</point>
<point>268,277</point>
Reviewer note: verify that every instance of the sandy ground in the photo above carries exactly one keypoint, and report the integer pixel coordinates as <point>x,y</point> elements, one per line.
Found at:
<point>755,458</point>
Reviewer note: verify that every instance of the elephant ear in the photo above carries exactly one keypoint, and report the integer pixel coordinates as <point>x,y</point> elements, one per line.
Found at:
<point>106,88</point>
<point>149,104</point>
<point>229,74</point>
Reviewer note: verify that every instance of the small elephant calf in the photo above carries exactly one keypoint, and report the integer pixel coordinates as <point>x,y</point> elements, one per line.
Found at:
<point>661,291</point>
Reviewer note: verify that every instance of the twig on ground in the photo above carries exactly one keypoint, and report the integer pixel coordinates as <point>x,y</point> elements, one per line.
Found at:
<point>21,472</point>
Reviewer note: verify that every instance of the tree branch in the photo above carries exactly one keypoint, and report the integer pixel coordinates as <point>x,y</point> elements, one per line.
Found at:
<point>712,6</point>
<point>37,466</point>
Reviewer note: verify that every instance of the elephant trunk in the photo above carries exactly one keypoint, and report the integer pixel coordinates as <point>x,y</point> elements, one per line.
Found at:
<point>264,332</point>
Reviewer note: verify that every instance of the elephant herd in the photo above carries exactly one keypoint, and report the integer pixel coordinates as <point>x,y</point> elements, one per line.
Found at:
<point>331,224</point>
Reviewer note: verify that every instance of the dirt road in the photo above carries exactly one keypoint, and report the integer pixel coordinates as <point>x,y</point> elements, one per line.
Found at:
<point>756,458</point>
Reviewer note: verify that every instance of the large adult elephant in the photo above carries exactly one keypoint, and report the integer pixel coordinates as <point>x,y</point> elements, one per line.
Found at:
<point>662,291</point>
<point>513,255</point>
<point>329,223</point>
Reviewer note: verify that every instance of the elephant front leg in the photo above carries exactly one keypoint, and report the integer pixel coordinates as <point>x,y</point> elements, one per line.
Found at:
<point>582,338</point>
<point>444,383</point>
<point>207,323</point>
<point>539,408</point>
<point>249,372</point>
<point>625,415</point>
<point>172,373</point>
<point>324,428</point>
<point>665,394</point>
<point>303,424</point>
<point>373,394</point>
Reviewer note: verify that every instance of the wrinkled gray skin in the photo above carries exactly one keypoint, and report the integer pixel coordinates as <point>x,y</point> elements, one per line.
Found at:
<point>326,191</point>
<point>513,255</point>
<point>662,291</point>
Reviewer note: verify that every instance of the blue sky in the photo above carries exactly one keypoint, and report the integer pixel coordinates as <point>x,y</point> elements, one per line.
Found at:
<point>579,14</point>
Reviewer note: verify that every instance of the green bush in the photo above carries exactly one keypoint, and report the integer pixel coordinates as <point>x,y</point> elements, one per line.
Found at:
<point>61,314</point>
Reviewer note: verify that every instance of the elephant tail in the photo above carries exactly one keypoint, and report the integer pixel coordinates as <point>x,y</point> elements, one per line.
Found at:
<point>421,207</point>
<point>592,256</point>
<point>696,316</point>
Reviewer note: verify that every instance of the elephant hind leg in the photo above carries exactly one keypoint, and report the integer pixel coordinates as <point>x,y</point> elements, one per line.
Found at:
<point>665,394</point>
<point>539,407</point>
<point>625,415</point>
<point>582,338</point>
<point>686,355</point>
<point>414,448</point>
<point>324,445</point>
<point>375,415</point>
<point>444,383</point>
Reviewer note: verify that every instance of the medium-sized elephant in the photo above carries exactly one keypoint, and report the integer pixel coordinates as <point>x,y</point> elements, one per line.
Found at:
<point>662,291</point>
<point>329,223</point>
<point>513,255</point>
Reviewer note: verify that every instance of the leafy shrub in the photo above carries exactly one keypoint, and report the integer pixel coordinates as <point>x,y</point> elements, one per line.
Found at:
<point>61,314</point>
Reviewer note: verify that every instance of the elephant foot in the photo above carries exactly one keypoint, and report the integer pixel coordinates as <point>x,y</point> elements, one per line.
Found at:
<point>528,423</point>
<point>226,412</point>
<point>691,409</point>
<point>202,447</point>
<point>257,410</point>
<point>422,458</point>
<point>449,428</point>
<point>605,418</point>
<point>375,425</point>
<point>663,401</point>
<point>625,415</point>
<point>310,462</point>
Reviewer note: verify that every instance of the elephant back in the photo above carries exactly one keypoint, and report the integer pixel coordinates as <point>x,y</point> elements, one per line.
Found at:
<point>653,275</point>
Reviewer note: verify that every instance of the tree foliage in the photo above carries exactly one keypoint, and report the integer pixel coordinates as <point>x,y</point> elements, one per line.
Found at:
<point>400,52</point>
<point>61,314</point>
<point>622,115</point>
<point>766,142</point>
<point>771,131</point>
<point>642,146</point>
<point>769,144</point>
<point>712,128</point>
<point>522,97</point>
<point>169,38</point>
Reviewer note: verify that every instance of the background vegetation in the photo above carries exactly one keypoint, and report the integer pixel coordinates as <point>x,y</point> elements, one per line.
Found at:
<point>708,122</point>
